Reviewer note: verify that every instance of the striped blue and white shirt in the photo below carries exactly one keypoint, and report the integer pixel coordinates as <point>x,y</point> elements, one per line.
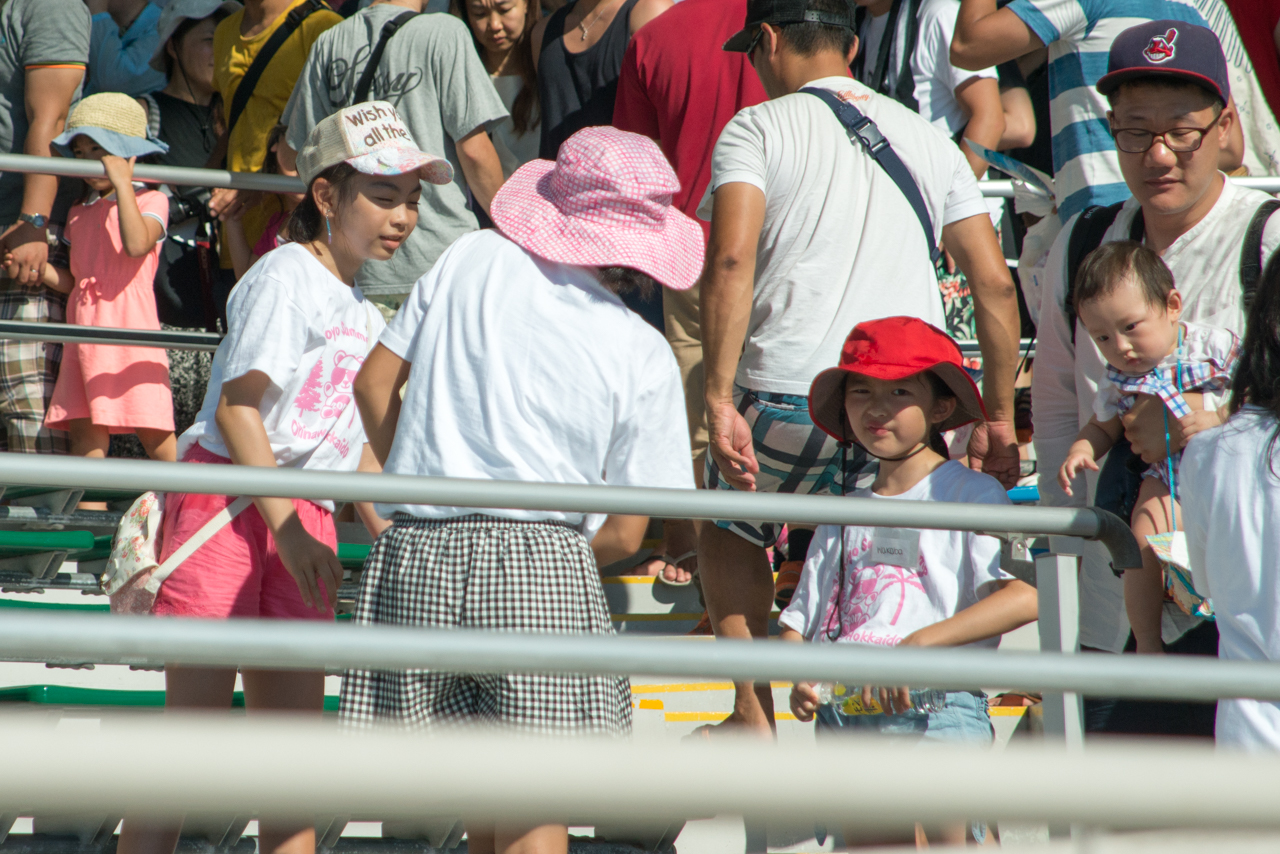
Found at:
<point>1079,35</point>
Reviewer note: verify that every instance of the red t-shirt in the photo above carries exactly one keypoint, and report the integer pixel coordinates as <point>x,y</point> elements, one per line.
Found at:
<point>1256,21</point>
<point>679,87</point>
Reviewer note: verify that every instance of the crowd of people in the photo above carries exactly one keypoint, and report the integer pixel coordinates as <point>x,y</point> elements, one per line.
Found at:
<point>728,244</point>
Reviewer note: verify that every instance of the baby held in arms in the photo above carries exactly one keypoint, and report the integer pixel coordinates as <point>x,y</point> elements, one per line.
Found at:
<point>1125,298</point>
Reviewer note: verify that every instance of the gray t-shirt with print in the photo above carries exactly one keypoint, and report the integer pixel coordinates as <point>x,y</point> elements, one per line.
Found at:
<point>431,72</point>
<point>32,33</point>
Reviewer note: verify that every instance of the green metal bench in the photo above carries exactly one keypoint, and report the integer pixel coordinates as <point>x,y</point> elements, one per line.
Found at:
<point>40,554</point>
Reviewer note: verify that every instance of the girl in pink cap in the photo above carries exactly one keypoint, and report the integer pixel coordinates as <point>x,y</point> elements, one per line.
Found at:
<point>898,387</point>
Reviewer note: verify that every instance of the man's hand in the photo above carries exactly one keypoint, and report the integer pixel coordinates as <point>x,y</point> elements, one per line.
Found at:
<point>26,250</point>
<point>731,445</point>
<point>1144,427</point>
<point>993,449</point>
<point>225,204</point>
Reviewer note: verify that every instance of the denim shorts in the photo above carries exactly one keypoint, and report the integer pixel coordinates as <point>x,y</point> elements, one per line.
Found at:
<point>963,720</point>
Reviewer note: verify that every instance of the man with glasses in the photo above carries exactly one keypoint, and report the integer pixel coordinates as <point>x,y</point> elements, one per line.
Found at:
<point>811,234</point>
<point>1170,116</point>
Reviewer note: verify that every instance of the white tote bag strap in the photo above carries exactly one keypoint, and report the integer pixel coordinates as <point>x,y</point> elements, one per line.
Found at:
<point>202,536</point>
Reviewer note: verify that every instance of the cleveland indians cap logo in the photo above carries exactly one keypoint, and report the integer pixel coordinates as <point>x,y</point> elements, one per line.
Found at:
<point>1160,48</point>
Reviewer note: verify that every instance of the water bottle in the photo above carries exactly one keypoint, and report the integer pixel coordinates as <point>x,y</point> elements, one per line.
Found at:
<point>831,692</point>
<point>928,700</point>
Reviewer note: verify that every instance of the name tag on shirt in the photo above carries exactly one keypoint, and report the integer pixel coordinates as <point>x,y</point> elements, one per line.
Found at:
<point>896,547</point>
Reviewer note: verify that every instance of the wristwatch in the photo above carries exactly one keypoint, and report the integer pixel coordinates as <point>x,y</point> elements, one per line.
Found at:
<point>38,220</point>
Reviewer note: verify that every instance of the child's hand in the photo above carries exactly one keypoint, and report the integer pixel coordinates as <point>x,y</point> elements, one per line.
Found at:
<point>804,701</point>
<point>312,564</point>
<point>1198,421</point>
<point>1077,461</point>
<point>894,701</point>
<point>119,171</point>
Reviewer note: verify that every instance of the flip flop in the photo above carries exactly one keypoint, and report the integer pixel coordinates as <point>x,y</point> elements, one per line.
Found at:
<point>674,562</point>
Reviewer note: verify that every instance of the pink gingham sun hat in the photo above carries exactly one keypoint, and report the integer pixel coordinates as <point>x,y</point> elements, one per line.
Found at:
<point>604,202</point>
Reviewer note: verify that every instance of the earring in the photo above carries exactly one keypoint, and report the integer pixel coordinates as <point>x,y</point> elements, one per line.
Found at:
<point>328,230</point>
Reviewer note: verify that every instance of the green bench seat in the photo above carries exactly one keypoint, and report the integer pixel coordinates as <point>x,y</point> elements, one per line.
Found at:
<point>60,695</point>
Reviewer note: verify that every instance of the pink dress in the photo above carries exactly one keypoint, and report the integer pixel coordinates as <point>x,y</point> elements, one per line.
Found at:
<point>120,388</point>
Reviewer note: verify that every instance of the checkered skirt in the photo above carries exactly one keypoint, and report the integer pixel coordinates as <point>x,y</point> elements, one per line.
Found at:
<point>481,572</point>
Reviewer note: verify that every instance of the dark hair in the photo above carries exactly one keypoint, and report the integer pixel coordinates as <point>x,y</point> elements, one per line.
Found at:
<point>524,110</point>
<point>180,33</point>
<point>624,280</point>
<point>1257,380</point>
<point>1161,81</point>
<point>806,38</point>
<point>1111,264</point>
<point>271,163</point>
<point>307,223</point>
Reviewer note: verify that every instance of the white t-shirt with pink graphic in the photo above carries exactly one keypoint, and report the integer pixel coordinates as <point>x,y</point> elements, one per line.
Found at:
<point>881,601</point>
<point>294,321</point>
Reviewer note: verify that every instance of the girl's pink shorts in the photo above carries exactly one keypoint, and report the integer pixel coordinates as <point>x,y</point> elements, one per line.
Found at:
<point>237,573</point>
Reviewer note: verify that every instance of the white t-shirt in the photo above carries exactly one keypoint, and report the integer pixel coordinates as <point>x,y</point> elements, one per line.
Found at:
<point>870,37</point>
<point>527,370</point>
<point>1201,345</point>
<point>1206,267</point>
<point>936,78</point>
<point>840,242</point>
<point>294,321</point>
<point>1231,512</point>
<point>881,603</point>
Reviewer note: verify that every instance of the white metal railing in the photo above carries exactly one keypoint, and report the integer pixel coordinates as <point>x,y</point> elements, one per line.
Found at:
<point>167,766</point>
<point>74,168</point>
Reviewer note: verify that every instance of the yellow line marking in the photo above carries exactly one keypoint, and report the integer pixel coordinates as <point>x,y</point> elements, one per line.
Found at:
<point>715,717</point>
<point>1007,711</point>
<point>651,704</point>
<point>627,579</point>
<point>693,686</point>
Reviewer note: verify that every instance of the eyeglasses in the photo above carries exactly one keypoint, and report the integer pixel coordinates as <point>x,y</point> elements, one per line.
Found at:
<point>1178,140</point>
<point>755,41</point>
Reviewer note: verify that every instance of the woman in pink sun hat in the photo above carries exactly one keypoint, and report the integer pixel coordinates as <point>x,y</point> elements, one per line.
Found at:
<point>518,361</point>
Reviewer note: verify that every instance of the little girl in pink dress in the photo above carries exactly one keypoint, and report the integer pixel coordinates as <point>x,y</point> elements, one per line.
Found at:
<point>114,235</point>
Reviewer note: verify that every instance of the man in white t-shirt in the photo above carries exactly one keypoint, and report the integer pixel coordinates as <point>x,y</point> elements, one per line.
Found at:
<point>810,235</point>
<point>1184,208</point>
<point>520,362</point>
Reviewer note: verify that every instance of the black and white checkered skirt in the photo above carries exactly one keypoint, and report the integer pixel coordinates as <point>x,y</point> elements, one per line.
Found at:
<point>481,572</point>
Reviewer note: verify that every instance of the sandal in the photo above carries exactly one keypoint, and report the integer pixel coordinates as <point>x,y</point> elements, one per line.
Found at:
<point>674,562</point>
<point>787,581</point>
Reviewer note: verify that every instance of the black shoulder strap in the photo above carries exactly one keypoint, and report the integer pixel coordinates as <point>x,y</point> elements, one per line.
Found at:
<point>1086,236</point>
<point>905,90</point>
<point>1251,252</point>
<point>361,93</point>
<point>878,147</point>
<point>260,62</point>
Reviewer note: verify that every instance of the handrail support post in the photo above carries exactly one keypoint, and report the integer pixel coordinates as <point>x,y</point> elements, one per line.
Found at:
<point>1057,585</point>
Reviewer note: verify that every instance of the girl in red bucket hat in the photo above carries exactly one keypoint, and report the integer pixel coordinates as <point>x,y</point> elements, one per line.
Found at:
<point>898,386</point>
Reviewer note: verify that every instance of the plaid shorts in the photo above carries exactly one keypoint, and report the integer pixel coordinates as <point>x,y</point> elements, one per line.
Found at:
<point>29,371</point>
<point>794,456</point>
<point>481,572</point>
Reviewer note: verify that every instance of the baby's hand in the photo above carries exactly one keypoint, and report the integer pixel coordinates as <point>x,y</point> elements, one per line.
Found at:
<point>1076,462</point>
<point>119,171</point>
<point>804,701</point>
<point>1198,421</point>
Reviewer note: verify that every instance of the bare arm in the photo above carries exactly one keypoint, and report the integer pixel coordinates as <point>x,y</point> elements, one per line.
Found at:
<point>138,233</point>
<point>377,390</point>
<point>374,523</point>
<point>727,284</point>
<point>986,36</point>
<point>480,165</point>
<point>312,564</point>
<point>972,242</point>
<point>980,98</point>
<point>47,93</point>
<point>1019,118</point>
<point>1013,605</point>
<point>619,537</point>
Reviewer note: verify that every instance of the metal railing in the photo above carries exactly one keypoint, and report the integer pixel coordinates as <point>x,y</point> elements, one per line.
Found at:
<point>74,168</point>
<point>75,472</point>
<point>66,333</point>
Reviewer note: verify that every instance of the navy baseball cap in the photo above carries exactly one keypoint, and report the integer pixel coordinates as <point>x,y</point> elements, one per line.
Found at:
<point>1167,49</point>
<point>785,12</point>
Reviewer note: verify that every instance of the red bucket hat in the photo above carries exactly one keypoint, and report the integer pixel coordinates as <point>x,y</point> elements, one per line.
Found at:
<point>604,202</point>
<point>893,348</point>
